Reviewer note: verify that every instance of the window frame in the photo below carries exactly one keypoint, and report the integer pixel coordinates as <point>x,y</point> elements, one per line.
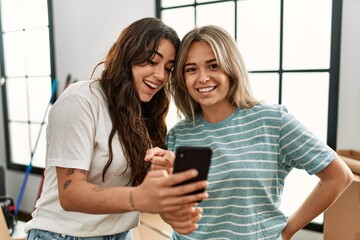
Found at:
<point>7,135</point>
<point>334,68</point>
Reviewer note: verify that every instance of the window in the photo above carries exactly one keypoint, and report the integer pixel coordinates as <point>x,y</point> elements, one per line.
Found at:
<point>291,49</point>
<point>27,73</point>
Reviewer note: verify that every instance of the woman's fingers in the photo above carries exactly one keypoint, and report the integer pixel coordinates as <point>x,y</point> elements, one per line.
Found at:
<point>183,221</point>
<point>158,153</point>
<point>163,196</point>
<point>160,159</point>
<point>181,193</point>
<point>185,214</point>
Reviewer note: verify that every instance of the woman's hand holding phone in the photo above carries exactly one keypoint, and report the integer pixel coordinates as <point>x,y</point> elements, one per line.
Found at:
<point>184,220</point>
<point>158,193</point>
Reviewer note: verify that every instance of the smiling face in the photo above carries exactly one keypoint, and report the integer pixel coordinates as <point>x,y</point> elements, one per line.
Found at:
<point>206,82</point>
<point>151,76</point>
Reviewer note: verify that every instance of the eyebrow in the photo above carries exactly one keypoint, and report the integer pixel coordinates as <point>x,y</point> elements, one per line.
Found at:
<point>207,61</point>
<point>162,56</point>
<point>157,53</point>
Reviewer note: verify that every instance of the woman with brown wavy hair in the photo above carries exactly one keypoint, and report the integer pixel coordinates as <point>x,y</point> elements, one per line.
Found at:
<point>96,179</point>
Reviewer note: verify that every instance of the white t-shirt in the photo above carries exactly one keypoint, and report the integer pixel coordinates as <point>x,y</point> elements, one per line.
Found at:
<point>77,137</point>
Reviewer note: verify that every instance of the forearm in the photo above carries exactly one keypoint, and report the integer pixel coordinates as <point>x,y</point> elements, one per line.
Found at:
<point>89,198</point>
<point>155,194</point>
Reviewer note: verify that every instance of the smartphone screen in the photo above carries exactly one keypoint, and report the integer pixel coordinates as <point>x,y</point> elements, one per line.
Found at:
<point>189,157</point>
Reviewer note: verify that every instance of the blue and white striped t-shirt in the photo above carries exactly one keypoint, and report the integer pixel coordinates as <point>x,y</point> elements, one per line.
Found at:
<point>253,151</point>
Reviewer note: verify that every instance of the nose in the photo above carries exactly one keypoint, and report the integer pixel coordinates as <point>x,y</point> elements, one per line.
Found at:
<point>159,74</point>
<point>204,77</point>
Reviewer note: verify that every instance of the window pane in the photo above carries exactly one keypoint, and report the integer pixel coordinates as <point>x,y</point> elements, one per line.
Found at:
<point>298,186</point>
<point>306,96</point>
<point>36,13</point>
<point>258,33</point>
<point>20,143</point>
<point>172,16</point>
<point>14,53</point>
<point>307,34</point>
<point>38,52</point>
<point>38,133</point>
<point>11,15</point>
<point>221,14</point>
<point>16,91</point>
<point>171,3</point>
<point>265,86</point>
<point>39,97</point>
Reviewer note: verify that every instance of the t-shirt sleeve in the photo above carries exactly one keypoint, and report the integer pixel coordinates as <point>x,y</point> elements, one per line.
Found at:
<point>300,148</point>
<point>170,140</point>
<point>70,133</point>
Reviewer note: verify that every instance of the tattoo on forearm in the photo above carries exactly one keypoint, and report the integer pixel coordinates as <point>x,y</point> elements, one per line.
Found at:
<point>98,189</point>
<point>67,183</point>
<point>83,172</point>
<point>70,171</point>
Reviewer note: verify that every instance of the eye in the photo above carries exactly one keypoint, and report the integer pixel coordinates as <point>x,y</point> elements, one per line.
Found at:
<point>151,62</point>
<point>190,70</point>
<point>214,66</point>
<point>169,70</point>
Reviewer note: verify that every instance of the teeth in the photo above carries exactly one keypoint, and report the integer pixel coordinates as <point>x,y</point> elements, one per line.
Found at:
<point>150,84</point>
<point>207,89</point>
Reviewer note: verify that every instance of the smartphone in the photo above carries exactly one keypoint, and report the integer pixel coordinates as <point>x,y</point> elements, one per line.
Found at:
<point>191,157</point>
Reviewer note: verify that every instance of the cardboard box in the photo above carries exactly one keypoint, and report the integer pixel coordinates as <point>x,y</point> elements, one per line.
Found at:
<point>352,159</point>
<point>342,219</point>
<point>4,231</point>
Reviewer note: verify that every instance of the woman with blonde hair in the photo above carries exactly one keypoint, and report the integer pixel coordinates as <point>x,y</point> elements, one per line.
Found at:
<point>255,146</point>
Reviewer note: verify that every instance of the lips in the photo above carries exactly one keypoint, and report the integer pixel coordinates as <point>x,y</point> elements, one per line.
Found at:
<point>206,89</point>
<point>151,85</point>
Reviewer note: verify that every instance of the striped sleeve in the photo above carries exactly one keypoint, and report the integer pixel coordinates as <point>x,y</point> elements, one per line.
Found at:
<point>300,148</point>
<point>170,140</point>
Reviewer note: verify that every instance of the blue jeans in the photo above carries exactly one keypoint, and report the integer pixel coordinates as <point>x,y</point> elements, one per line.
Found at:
<point>38,234</point>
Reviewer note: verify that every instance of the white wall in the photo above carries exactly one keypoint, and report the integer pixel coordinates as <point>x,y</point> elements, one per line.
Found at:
<point>348,135</point>
<point>84,31</point>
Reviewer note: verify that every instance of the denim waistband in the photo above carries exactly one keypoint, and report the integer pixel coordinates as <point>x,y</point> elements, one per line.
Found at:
<point>38,234</point>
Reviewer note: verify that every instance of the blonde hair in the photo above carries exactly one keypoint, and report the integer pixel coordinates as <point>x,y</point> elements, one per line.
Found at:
<point>229,59</point>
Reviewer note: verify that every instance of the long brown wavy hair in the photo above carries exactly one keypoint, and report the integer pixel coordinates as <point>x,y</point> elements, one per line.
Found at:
<point>139,125</point>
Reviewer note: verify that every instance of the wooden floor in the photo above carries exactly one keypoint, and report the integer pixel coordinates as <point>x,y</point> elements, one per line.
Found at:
<point>152,227</point>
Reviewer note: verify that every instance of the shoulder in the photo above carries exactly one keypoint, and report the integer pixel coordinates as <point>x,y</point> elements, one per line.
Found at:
<point>83,88</point>
<point>267,108</point>
<point>263,111</point>
<point>183,124</point>
<point>87,90</point>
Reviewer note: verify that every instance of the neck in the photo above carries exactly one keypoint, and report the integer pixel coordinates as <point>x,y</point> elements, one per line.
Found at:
<point>215,114</point>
